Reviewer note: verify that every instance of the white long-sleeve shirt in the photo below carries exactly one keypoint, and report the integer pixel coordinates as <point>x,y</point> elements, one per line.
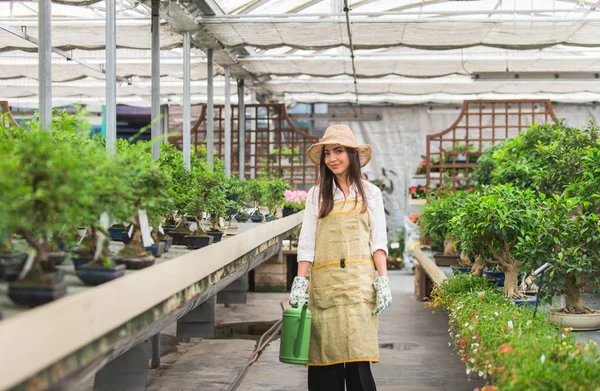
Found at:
<point>378,241</point>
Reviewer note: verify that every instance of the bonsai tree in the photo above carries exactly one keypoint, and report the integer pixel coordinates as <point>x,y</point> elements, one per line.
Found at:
<point>436,217</point>
<point>568,237</point>
<point>275,194</point>
<point>256,193</point>
<point>236,194</point>
<point>146,188</point>
<point>181,187</point>
<point>45,189</point>
<point>491,223</point>
<point>207,194</point>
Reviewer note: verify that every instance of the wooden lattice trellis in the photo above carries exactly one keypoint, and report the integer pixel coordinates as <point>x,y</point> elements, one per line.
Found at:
<point>452,153</point>
<point>273,145</point>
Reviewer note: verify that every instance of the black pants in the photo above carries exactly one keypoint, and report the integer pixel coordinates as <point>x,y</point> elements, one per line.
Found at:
<point>356,376</point>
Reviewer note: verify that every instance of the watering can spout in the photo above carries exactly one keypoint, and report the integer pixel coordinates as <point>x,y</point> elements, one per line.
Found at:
<point>295,335</point>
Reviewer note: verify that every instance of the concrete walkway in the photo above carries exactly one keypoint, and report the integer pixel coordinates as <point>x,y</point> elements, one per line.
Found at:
<point>414,353</point>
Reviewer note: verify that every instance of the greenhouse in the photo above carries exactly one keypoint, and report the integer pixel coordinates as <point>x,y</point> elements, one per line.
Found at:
<point>390,194</point>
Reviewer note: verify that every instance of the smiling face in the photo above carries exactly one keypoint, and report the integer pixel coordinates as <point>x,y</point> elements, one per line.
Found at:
<point>336,159</point>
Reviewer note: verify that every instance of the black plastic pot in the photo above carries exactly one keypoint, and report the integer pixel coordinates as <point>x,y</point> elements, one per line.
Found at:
<point>288,212</point>
<point>80,261</point>
<point>168,242</point>
<point>136,263</point>
<point>56,257</point>
<point>10,265</point>
<point>99,275</point>
<point>241,218</point>
<point>33,295</point>
<point>157,249</point>
<point>256,218</point>
<point>178,237</point>
<point>116,233</point>
<point>216,235</point>
<point>196,242</point>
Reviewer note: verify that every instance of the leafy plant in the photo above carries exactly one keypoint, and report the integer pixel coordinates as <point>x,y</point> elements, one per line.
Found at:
<point>146,188</point>
<point>436,217</point>
<point>275,194</point>
<point>295,199</point>
<point>46,187</point>
<point>507,346</point>
<point>256,192</point>
<point>491,223</point>
<point>569,238</point>
<point>236,194</point>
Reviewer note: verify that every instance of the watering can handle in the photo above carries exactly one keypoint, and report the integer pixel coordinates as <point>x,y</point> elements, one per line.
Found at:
<point>298,342</point>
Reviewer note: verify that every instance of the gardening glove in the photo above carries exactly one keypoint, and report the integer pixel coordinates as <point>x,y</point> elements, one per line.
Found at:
<point>384,294</point>
<point>298,293</point>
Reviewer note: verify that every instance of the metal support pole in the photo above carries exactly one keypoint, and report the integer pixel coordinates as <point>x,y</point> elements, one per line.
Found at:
<point>186,101</point>
<point>111,76</point>
<point>241,130</point>
<point>45,64</point>
<point>155,132</point>
<point>227,138</point>
<point>210,112</point>
<point>155,360</point>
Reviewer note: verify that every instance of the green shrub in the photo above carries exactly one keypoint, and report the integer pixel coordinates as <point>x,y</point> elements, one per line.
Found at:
<point>506,345</point>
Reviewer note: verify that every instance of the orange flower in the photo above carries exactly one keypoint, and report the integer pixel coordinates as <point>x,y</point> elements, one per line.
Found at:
<point>505,349</point>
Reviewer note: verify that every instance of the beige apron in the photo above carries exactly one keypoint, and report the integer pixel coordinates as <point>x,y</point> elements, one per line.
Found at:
<point>341,294</point>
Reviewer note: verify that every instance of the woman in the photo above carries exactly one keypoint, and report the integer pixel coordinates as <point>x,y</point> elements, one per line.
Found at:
<point>344,239</point>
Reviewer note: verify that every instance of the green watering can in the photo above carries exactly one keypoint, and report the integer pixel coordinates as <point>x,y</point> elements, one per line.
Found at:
<point>295,335</point>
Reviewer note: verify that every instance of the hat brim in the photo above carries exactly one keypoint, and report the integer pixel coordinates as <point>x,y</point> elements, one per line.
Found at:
<point>316,150</point>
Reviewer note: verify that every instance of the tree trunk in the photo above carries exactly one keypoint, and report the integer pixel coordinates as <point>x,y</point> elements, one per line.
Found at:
<point>449,246</point>
<point>511,274</point>
<point>574,299</point>
<point>478,266</point>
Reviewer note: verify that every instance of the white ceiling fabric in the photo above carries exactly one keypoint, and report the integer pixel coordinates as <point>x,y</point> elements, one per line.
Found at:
<point>457,85</point>
<point>416,63</point>
<point>89,35</point>
<point>292,99</point>
<point>25,65</point>
<point>405,50</point>
<point>432,36</point>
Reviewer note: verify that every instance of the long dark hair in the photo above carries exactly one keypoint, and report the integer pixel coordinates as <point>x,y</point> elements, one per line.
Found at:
<point>326,179</point>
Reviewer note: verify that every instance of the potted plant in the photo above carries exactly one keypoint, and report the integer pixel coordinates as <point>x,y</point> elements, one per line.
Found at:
<point>491,223</point>
<point>256,194</point>
<point>568,237</point>
<point>435,220</point>
<point>206,184</point>
<point>236,194</point>
<point>181,191</point>
<point>146,187</point>
<point>295,201</point>
<point>274,196</point>
<point>44,185</point>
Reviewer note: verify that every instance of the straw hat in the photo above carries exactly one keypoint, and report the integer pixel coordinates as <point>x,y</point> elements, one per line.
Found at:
<point>339,134</point>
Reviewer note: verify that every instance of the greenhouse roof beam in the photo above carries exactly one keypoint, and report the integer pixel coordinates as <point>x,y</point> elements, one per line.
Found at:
<point>62,53</point>
<point>328,17</point>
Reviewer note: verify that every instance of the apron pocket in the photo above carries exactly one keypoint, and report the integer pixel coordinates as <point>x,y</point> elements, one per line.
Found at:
<point>344,228</point>
<point>335,296</point>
